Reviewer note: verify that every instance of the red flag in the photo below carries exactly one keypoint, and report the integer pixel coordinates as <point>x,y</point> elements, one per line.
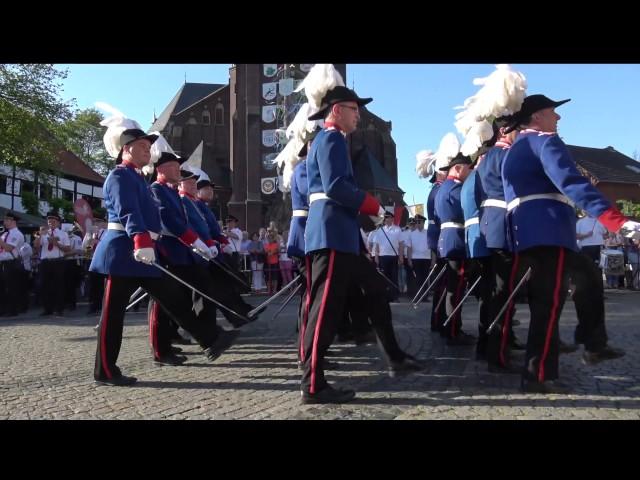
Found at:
<point>397,214</point>
<point>84,215</point>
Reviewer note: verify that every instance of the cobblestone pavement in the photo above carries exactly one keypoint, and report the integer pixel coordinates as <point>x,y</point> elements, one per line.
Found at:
<point>46,373</point>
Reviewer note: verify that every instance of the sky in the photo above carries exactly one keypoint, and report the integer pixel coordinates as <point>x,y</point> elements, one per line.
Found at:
<point>418,99</point>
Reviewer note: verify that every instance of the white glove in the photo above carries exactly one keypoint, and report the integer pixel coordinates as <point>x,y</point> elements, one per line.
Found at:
<point>378,219</point>
<point>145,255</point>
<point>214,251</point>
<point>629,227</point>
<point>202,249</point>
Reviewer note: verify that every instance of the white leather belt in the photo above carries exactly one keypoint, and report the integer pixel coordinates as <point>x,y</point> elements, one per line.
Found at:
<point>558,197</point>
<point>471,221</point>
<point>120,227</point>
<point>432,222</point>
<point>451,225</point>
<point>317,196</point>
<point>491,202</point>
<point>300,213</point>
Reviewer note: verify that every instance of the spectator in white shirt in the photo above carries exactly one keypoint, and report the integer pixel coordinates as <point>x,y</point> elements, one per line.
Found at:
<point>418,253</point>
<point>387,251</point>
<point>52,246</point>
<point>11,271</point>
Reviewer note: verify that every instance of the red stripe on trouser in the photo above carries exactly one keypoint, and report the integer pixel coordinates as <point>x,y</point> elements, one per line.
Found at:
<point>305,317</point>
<point>507,314</point>
<point>457,299</point>
<point>154,332</point>
<point>316,334</point>
<point>554,314</point>
<point>103,329</point>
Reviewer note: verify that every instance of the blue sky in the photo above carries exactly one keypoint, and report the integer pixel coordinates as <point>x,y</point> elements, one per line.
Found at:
<point>418,99</point>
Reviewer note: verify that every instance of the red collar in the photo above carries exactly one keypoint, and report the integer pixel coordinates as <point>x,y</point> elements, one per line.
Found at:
<point>128,164</point>
<point>186,194</point>
<point>455,179</point>
<point>332,125</point>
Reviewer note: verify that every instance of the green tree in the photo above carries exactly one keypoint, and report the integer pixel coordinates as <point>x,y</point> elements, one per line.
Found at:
<point>83,135</point>
<point>629,208</point>
<point>30,114</point>
<point>30,203</point>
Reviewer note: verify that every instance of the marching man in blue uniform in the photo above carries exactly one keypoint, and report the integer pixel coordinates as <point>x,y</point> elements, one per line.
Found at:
<point>332,237</point>
<point>451,245</point>
<point>224,292</point>
<point>127,250</point>
<point>479,264</point>
<point>541,185</point>
<point>490,192</point>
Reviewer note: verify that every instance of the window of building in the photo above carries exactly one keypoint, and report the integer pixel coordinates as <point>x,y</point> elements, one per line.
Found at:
<point>46,191</point>
<point>219,118</point>
<point>5,184</point>
<point>206,117</point>
<point>67,195</point>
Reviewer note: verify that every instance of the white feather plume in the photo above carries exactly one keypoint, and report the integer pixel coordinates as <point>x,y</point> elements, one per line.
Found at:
<point>501,93</point>
<point>479,133</point>
<point>157,148</point>
<point>321,78</point>
<point>425,163</point>
<point>287,160</point>
<point>116,124</point>
<point>449,148</point>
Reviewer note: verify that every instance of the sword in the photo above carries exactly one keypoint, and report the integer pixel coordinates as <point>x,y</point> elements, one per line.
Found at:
<point>135,294</point>
<point>525,277</point>
<point>194,289</point>
<point>222,267</point>
<point>435,282</point>
<point>424,284</point>
<point>287,300</point>
<point>137,300</point>
<point>388,280</point>
<point>446,322</point>
<point>273,297</point>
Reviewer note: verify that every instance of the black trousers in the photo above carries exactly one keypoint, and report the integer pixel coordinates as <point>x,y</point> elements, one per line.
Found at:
<point>589,301</point>
<point>421,269</point>
<point>506,275</point>
<point>547,291</point>
<point>412,277</point>
<point>11,285</point>
<point>96,290</point>
<point>389,266</point>
<point>331,274</point>
<point>175,298</point>
<point>226,291</point>
<point>72,279</point>
<point>355,320</point>
<point>438,310</point>
<point>163,325</point>
<point>481,268</point>
<point>455,288</point>
<point>52,285</point>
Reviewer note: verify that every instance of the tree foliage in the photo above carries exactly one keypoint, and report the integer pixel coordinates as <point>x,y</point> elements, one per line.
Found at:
<point>83,135</point>
<point>31,112</point>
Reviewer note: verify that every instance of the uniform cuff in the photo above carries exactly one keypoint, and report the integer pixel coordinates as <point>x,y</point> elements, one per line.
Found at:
<point>189,237</point>
<point>223,240</point>
<point>370,205</point>
<point>142,240</point>
<point>209,243</point>
<point>612,219</point>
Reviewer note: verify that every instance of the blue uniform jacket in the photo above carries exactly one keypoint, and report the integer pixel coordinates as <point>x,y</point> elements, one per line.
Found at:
<point>489,183</point>
<point>540,163</point>
<point>448,208</point>
<point>128,202</point>
<point>212,221</point>
<point>433,229</point>
<point>299,201</point>
<point>469,200</point>
<point>174,225</point>
<point>198,222</point>
<point>332,222</point>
